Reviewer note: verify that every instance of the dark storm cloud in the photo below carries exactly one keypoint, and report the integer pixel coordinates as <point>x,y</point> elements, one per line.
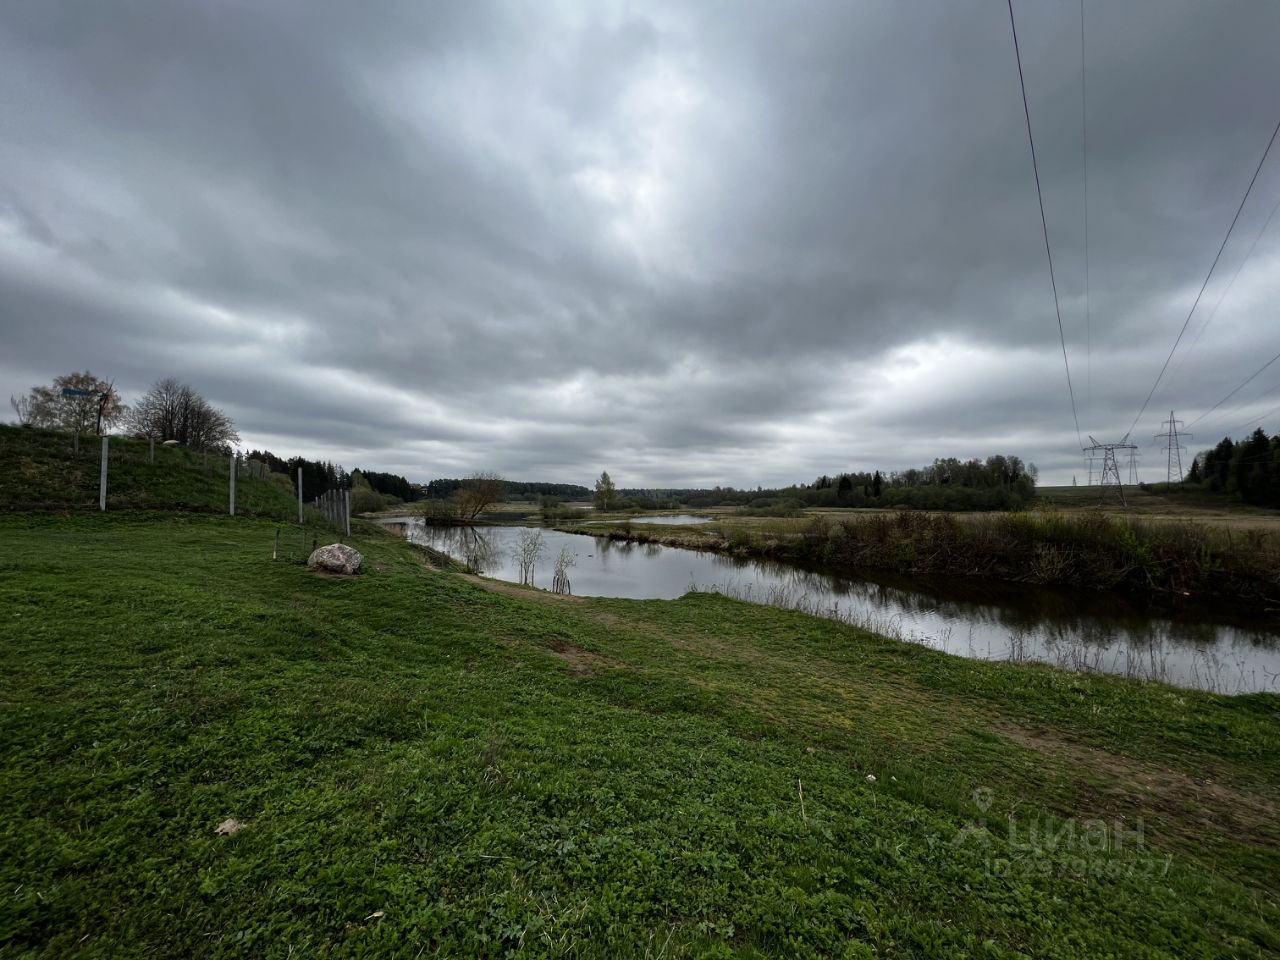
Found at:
<point>720,243</point>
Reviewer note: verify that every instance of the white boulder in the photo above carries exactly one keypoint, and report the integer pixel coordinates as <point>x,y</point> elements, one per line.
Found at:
<point>335,558</point>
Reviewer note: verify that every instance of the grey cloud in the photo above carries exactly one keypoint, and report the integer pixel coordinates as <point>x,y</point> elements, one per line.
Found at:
<point>403,233</point>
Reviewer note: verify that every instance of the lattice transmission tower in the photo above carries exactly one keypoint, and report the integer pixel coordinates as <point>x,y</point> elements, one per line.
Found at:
<point>1173,438</point>
<point>1109,479</point>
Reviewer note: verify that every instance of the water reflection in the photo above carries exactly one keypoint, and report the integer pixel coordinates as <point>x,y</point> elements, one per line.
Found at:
<point>992,621</point>
<point>661,519</point>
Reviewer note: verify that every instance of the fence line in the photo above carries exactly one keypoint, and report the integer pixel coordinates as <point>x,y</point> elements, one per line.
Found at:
<point>335,505</point>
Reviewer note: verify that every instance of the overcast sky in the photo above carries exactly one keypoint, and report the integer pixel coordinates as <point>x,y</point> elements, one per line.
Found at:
<point>692,243</point>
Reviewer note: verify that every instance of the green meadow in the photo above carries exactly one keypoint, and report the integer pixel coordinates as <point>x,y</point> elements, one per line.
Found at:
<point>422,764</point>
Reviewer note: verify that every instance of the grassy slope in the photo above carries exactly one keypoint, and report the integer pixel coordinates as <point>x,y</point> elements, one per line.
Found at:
<point>44,471</point>
<point>428,767</point>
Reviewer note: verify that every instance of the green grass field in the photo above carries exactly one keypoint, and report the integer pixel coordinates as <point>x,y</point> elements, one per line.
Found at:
<point>426,766</point>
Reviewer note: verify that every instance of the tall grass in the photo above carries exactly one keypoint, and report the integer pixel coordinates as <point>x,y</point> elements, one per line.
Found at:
<point>1091,550</point>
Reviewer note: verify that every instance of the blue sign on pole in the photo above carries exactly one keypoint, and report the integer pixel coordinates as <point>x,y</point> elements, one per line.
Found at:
<point>77,392</point>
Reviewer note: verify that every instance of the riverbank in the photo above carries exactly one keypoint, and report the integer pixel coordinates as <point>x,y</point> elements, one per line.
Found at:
<point>415,763</point>
<point>1091,550</point>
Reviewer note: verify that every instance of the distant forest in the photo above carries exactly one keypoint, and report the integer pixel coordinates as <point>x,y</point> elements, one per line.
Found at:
<point>321,475</point>
<point>515,490</point>
<point>1247,470</point>
<point>999,482</point>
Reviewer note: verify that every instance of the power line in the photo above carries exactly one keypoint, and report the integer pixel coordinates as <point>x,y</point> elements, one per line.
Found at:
<point>1084,164</point>
<point>1044,224</point>
<point>1253,420</point>
<point>1253,246</point>
<point>1244,383</point>
<point>1271,412</point>
<point>1247,191</point>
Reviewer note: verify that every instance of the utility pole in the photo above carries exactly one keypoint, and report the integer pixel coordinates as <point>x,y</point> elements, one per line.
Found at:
<point>1173,446</point>
<point>102,477</point>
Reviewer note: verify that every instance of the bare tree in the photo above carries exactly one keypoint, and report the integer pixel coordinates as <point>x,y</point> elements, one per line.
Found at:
<point>172,410</point>
<point>560,579</point>
<point>528,553</point>
<point>79,410</point>
<point>479,553</point>
<point>22,407</point>
<point>478,493</point>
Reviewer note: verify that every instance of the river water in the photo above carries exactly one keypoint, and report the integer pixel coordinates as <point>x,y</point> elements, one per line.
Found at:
<point>1077,630</point>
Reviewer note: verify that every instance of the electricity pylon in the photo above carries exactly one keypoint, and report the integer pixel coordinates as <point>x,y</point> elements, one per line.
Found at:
<point>1173,447</point>
<point>1110,479</point>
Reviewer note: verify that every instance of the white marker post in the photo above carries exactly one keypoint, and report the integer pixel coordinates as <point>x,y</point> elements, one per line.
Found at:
<point>233,484</point>
<point>102,480</point>
<point>299,496</point>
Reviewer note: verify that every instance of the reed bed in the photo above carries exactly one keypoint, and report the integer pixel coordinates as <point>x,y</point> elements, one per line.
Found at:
<point>1091,550</point>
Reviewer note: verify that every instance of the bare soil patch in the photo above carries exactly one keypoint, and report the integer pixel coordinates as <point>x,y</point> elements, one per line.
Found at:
<point>516,590</point>
<point>582,663</point>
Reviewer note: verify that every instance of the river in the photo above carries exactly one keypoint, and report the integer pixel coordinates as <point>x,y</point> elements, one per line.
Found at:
<point>1073,629</point>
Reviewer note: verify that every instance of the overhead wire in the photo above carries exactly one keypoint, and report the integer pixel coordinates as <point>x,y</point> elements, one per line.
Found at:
<point>1272,411</point>
<point>1244,383</point>
<point>1044,223</point>
<point>1212,266</point>
<point>1084,165</point>
<point>1205,326</point>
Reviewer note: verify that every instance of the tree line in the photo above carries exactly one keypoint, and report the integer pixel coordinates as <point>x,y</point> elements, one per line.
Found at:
<point>999,482</point>
<point>173,410</point>
<point>444,488</point>
<point>1246,470</point>
<point>170,410</point>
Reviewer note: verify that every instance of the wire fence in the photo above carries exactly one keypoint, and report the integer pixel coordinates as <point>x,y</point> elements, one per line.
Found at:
<point>55,469</point>
<point>335,506</point>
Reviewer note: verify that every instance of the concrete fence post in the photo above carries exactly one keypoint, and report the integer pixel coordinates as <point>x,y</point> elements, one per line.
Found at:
<point>232,475</point>
<point>102,479</point>
<point>152,455</point>
<point>299,496</point>
<point>346,503</point>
